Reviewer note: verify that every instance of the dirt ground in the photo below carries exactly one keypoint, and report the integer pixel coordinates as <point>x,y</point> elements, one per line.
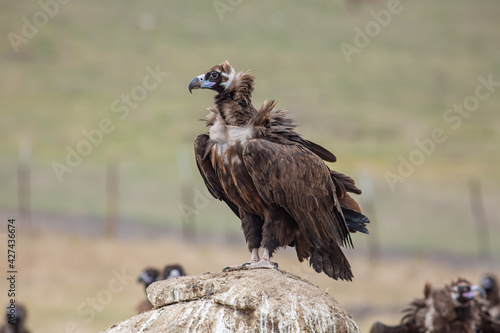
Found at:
<point>79,284</point>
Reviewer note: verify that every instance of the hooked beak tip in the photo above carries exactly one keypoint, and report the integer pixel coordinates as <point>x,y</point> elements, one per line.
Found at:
<point>194,84</point>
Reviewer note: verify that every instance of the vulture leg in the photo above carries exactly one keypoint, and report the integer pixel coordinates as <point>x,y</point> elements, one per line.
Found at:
<point>265,262</point>
<point>252,228</point>
<point>275,231</point>
<point>255,256</point>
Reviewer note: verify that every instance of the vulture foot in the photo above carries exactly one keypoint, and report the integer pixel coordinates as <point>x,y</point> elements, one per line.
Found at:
<point>235,268</point>
<point>263,263</point>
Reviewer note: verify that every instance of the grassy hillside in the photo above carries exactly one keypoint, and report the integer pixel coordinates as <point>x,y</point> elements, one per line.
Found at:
<point>369,111</point>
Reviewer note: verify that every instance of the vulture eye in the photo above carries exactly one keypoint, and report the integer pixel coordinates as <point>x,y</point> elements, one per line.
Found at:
<point>214,75</point>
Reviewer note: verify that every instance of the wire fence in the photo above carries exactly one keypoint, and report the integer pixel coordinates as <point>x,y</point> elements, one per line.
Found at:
<point>116,200</point>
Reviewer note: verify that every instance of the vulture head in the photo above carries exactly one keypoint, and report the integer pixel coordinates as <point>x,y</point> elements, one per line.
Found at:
<point>218,78</point>
<point>462,291</point>
<point>173,271</point>
<point>148,276</point>
<point>489,284</point>
<point>15,320</point>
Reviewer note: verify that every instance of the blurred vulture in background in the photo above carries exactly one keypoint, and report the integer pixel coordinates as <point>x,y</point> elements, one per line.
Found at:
<point>14,322</point>
<point>146,277</point>
<point>455,308</point>
<point>150,275</point>
<point>172,271</point>
<point>490,285</point>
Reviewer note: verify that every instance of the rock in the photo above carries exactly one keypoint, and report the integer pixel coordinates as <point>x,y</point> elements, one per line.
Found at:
<point>258,300</point>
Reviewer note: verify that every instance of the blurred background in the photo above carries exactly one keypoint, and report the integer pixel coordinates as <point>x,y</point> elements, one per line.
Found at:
<point>97,126</point>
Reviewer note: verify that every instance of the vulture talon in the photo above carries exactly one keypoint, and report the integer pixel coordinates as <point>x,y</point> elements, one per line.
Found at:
<point>235,268</point>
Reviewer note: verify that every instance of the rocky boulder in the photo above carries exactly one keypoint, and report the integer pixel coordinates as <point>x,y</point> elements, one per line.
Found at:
<point>258,300</point>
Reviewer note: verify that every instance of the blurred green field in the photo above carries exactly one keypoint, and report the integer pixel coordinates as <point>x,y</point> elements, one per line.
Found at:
<point>369,112</point>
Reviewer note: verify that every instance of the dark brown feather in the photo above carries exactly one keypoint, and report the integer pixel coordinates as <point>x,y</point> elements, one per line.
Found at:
<point>297,180</point>
<point>378,327</point>
<point>201,148</point>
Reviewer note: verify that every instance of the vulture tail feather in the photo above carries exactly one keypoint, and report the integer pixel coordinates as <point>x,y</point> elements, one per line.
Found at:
<point>355,221</point>
<point>332,262</point>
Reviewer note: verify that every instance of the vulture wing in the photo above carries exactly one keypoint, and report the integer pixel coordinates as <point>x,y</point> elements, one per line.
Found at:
<point>201,149</point>
<point>293,177</point>
<point>321,152</point>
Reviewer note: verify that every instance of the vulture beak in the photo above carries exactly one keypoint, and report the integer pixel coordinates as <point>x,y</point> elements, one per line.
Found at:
<point>200,83</point>
<point>462,294</point>
<point>478,290</point>
<point>144,277</point>
<point>173,274</point>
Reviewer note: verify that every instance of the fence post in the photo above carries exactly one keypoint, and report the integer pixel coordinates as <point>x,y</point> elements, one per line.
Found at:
<point>184,170</point>
<point>479,215</point>
<point>368,207</point>
<point>24,183</point>
<point>112,197</point>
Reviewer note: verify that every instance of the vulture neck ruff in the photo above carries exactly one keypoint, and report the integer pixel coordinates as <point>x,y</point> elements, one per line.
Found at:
<point>230,119</point>
<point>234,103</point>
<point>230,78</point>
<point>225,136</point>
